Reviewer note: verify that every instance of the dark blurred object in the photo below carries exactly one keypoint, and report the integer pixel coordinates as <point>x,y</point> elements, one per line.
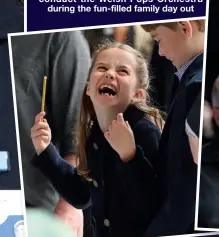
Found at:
<point>193,118</point>
<point>209,191</point>
<point>11,3</point>
<point>212,69</point>
<point>11,20</point>
<point>215,94</point>
<point>208,128</point>
<point>208,215</point>
<point>192,127</point>
<point>163,81</point>
<point>94,37</point>
<point>20,2</point>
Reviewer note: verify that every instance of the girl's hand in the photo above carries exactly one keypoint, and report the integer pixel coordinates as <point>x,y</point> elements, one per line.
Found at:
<point>121,138</point>
<point>40,133</point>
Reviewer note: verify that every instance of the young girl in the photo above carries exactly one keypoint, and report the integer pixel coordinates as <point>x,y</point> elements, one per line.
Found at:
<point>118,137</point>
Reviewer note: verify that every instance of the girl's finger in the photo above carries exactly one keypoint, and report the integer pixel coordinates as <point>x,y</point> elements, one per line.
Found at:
<point>120,118</point>
<point>114,122</point>
<point>39,116</point>
<point>107,135</point>
<point>41,125</point>
<point>127,124</point>
<point>110,128</point>
<point>40,132</point>
<point>44,138</point>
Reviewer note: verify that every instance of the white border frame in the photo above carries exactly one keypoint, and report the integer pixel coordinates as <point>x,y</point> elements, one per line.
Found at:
<point>17,138</point>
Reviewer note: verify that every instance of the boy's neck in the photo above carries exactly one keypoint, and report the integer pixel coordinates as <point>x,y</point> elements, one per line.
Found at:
<point>195,47</point>
<point>189,57</point>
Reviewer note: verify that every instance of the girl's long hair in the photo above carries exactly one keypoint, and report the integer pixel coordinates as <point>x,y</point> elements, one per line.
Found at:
<point>87,113</point>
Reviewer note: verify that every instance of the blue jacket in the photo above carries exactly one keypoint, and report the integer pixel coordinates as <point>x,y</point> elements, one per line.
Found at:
<point>124,196</point>
<point>174,164</point>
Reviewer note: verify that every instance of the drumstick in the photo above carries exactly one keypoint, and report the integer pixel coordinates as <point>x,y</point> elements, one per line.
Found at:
<point>43,96</point>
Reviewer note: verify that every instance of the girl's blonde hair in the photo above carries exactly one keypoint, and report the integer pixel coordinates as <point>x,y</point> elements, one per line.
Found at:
<point>87,113</point>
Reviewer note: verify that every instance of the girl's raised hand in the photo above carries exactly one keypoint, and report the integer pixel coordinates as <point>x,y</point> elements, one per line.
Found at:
<point>121,138</point>
<point>40,133</point>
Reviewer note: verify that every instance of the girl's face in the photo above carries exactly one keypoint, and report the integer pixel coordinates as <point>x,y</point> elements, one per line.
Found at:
<point>113,79</point>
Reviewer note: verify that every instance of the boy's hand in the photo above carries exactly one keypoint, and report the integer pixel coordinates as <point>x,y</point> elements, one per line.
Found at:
<point>121,138</point>
<point>40,133</point>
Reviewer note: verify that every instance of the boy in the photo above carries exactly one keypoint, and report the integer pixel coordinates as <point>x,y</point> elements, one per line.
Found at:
<point>183,44</point>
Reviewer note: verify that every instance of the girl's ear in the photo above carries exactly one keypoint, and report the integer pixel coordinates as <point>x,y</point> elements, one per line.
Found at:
<point>87,89</point>
<point>140,94</point>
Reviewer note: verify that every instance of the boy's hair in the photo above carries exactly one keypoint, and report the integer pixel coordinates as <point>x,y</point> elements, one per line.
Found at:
<point>87,113</point>
<point>173,25</point>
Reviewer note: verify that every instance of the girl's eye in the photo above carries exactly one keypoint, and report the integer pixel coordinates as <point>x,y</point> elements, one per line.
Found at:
<point>123,71</point>
<point>101,68</point>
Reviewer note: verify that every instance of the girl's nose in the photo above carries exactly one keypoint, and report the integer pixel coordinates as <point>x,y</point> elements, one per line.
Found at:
<point>110,75</point>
